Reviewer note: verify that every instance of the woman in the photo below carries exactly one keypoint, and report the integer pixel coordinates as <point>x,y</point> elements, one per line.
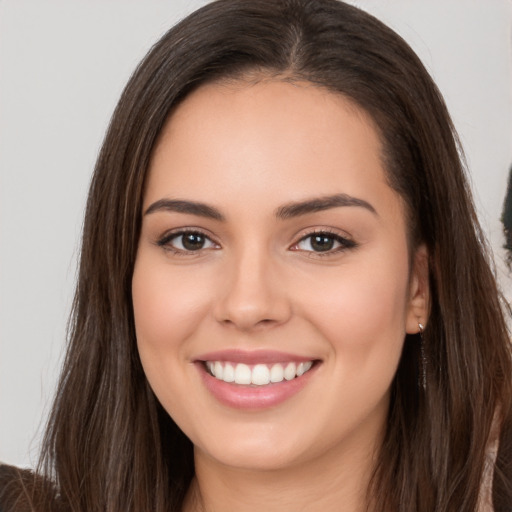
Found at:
<point>283,299</point>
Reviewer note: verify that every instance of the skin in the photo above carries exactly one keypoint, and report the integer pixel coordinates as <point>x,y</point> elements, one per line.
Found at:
<point>247,150</point>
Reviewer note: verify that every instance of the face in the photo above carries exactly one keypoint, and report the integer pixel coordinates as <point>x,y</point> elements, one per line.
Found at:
<point>272,290</point>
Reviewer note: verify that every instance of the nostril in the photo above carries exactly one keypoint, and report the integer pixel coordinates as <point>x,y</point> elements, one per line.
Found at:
<point>265,322</point>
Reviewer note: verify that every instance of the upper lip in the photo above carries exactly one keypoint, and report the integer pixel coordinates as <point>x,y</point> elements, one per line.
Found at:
<point>253,356</point>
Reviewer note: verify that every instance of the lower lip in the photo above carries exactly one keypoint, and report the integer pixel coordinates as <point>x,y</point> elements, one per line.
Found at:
<point>254,397</point>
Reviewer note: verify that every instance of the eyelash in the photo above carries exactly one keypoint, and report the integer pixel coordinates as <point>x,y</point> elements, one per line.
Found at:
<point>166,239</point>
<point>344,243</point>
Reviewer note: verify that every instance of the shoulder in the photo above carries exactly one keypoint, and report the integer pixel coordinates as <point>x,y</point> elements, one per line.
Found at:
<point>14,485</point>
<point>22,490</point>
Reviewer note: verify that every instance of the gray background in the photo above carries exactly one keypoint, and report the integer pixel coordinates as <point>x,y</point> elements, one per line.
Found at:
<point>62,67</point>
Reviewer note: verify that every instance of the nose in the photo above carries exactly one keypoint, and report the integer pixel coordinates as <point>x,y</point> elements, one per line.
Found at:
<point>253,295</point>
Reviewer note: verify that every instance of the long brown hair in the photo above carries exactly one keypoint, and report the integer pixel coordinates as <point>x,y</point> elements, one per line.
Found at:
<point>110,445</point>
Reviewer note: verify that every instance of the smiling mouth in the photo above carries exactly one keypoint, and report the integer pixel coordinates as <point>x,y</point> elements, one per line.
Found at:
<point>257,374</point>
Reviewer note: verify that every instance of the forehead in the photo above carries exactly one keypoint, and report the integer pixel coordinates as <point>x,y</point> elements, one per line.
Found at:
<point>272,139</point>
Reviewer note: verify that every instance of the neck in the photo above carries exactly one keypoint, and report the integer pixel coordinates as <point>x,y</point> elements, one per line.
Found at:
<point>333,482</point>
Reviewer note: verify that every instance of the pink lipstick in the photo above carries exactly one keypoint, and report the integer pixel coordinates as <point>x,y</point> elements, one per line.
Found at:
<point>255,379</point>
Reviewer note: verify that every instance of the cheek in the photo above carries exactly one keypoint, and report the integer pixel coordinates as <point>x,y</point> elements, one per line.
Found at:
<point>363,320</point>
<point>168,306</point>
<point>375,303</point>
<point>165,305</point>
<point>362,312</point>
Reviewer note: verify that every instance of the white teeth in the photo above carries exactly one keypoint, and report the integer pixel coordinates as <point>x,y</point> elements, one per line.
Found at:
<point>290,371</point>
<point>303,368</point>
<point>277,373</point>
<point>242,374</point>
<point>218,370</point>
<point>259,374</point>
<point>229,373</point>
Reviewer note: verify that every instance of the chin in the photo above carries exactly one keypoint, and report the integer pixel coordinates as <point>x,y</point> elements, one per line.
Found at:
<point>264,447</point>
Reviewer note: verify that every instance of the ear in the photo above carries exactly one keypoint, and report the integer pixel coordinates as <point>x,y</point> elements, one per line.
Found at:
<point>419,292</point>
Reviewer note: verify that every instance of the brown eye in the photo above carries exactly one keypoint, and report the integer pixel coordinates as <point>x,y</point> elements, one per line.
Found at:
<point>324,243</point>
<point>186,241</point>
<point>192,241</point>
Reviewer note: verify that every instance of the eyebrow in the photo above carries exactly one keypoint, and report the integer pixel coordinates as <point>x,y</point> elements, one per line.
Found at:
<point>182,206</point>
<point>287,211</point>
<point>319,204</point>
